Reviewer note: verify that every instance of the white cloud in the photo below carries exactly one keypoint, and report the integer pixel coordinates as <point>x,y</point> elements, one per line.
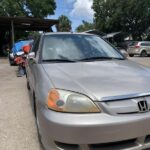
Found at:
<point>82,9</point>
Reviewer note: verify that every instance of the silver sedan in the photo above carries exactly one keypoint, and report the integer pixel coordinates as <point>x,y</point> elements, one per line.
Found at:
<point>87,95</point>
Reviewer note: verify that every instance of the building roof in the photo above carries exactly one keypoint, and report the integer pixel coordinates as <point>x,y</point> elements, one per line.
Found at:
<point>27,23</point>
<point>111,35</point>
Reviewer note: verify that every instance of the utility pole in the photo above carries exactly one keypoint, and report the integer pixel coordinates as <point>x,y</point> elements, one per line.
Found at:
<point>12,32</point>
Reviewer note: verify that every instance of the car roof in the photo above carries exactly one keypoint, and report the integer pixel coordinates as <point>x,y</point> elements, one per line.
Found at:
<point>67,33</point>
<point>144,41</point>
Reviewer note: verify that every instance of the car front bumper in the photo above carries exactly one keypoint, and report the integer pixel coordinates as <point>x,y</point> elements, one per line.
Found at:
<point>95,129</point>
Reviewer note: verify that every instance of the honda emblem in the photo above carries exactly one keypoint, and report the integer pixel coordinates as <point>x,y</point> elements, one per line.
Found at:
<point>143,106</point>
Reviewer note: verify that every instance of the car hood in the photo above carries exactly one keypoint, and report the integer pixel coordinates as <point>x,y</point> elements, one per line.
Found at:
<point>101,80</point>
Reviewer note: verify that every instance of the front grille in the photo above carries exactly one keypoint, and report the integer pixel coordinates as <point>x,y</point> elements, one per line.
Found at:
<point>66,146</point>
<point>133,144</point>
<point>115,145</point>
<point>125,106</point>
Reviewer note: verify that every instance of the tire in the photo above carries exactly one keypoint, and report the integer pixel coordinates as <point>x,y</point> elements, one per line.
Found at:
<point>28,86</point>
<point>11,62</point>
<point>34,106</point>
<point>131,55</point>
<point>143,53</point>
<point>38,132</point>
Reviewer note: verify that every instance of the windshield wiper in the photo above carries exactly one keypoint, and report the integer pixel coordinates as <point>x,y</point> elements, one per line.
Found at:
<point>79,60</point>
<point>100,58</point>
<point>58,60</point>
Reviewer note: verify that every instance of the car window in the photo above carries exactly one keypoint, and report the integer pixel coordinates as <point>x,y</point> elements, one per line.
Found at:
<point>76,47</point>
<point>145,44</point>
<point>133,43</point>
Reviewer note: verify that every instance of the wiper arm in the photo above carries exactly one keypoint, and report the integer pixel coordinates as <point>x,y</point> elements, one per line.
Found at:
<point>57,60</point>
<point>100,58</point>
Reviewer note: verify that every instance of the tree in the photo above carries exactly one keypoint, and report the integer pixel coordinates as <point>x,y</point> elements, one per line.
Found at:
<point>130,16</point>
<point>24,8</point>
<point>28,8</point>
<point>64,24</point>
<point>85,26</point>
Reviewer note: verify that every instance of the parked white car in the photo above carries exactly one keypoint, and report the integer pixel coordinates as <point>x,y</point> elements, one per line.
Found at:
<point>141,48</point>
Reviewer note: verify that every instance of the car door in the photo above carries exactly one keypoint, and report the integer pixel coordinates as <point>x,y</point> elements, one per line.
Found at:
<point>148,47</point>
<point>144,46</point>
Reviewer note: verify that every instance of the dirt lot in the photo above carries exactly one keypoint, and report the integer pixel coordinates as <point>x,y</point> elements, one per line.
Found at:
<point>17,124</point>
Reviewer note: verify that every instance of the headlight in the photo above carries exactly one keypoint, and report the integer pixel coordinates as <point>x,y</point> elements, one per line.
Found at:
<point>66,101</point>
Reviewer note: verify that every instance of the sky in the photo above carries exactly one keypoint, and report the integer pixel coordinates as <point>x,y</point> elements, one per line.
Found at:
<point>75,10</point>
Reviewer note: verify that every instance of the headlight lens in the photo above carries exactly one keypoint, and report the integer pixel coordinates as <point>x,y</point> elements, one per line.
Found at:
<point>66,101</point>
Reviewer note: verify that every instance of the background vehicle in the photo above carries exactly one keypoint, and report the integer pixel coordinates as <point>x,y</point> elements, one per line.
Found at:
<point>141,48</point>
<point>86,95</point>
<point>17,47</point>
<point>11,58</point>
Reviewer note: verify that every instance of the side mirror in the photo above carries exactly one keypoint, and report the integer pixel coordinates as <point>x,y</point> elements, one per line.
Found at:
<point>31,55</point>
<point>125,54</point>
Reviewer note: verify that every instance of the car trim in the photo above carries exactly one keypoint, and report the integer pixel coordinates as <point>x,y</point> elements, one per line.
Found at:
<point>124,97</point>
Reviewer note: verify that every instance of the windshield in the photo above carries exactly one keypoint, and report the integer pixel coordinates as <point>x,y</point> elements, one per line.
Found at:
<point>76,47</point>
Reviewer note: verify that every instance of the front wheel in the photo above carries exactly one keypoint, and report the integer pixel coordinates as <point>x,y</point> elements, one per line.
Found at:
<point>11,61</point>
<point>28,85</point>
<point>38,129</point>
<point>131,55</point>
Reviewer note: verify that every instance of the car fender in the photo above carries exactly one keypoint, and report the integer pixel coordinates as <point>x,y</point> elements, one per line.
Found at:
<point>143,49</point>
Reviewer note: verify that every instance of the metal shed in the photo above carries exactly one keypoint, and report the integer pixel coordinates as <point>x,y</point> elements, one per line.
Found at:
<point>25,23</point>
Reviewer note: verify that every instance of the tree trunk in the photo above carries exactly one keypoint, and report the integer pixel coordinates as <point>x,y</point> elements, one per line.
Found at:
<point>2,41</point>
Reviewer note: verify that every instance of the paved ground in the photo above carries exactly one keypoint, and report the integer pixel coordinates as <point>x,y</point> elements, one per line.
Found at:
<point>144,61</point>
<point>17,124</point>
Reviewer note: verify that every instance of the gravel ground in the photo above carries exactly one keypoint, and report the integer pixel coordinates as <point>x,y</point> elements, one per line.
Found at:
<point>17,123</point>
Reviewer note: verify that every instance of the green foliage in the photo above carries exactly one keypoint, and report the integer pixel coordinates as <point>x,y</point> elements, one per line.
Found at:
<point>122,15</point>
<point>40,8</point>
<point>21,35</point>
<point>85,26</point>
<point>26,35</point>
<point>32,8</point>
<point>10,8</point>
<point>33,34</point>
<point>64,24</point>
